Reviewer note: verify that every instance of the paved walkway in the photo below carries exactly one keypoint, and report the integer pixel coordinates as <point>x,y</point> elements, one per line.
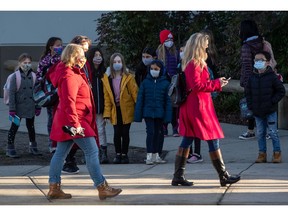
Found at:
<point>261,184</point>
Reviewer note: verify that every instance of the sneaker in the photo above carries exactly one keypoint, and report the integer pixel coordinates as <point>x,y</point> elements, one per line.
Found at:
<point>70,169</point>
<point>247,135</point>
<point>11,153</point>
<point>175,133</point>
<point>158,159</point>
<point>195,159</point>
<point>117,159</point>
<point>124,159</point>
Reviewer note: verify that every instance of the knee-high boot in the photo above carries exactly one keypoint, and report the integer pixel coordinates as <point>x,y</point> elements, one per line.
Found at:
<point>180,163</point>
<point>218,163</point>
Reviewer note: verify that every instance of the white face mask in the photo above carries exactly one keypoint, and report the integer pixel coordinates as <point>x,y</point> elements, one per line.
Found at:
<point>97,60</point>
<point>154,73</point>
<point>26,67</point>
<point>168,44</point>
<point>181,55</point>
<point>147,61</point>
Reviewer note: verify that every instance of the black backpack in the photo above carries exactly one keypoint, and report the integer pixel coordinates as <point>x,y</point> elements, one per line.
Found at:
<point>177,89</point>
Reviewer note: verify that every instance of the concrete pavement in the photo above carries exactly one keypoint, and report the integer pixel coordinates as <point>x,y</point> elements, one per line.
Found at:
<point>261,184</point>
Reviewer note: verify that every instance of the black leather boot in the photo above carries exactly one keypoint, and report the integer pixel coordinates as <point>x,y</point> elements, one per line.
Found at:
<point>218,163</point>
<point>180,163</point>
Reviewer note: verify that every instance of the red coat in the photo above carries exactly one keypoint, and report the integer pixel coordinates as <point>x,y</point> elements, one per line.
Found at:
<point>197,116</point>
<point>76,105</point>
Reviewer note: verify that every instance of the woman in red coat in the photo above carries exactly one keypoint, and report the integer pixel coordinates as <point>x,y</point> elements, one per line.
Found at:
<point>197,116</point>
<point>76,110</point>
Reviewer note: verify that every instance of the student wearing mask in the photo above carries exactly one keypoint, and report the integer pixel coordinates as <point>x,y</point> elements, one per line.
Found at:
<point>143,68</point>
<point>21,103</point>
<point>154,88</point>
<point>50,57</point>
<point>120,95</point>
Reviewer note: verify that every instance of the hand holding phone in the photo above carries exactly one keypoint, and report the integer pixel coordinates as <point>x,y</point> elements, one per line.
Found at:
<point>227,78</point>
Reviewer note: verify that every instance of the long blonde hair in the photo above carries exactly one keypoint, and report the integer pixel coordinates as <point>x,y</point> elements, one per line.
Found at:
<point>195,49</point>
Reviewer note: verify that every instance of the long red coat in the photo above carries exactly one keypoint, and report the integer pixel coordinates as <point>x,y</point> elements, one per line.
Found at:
<point>197,116</point>
<point>76,105</point>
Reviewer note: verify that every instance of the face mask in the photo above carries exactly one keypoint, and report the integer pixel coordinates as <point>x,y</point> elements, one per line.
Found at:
<point>181,55</point>
<point>147,61</point>
<point>97,60</point>
<point>154,73</point>
<point>168,44</point>
<point>58,50</point>
<point>259,65</point>
<point>26,67</point>
<point>117,66</point>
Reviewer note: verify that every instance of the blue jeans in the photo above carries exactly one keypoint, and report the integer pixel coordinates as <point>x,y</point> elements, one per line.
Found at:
<point>213,145</point>
<point>90,149</point>
<point>155,136</point>
<point>270,122</point>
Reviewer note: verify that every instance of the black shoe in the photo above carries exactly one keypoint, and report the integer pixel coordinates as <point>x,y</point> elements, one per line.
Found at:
<point>125,159</point>
<point>70,169</point>
<point>117,159</point>
<point>11,153</point>
<point>181,181</point>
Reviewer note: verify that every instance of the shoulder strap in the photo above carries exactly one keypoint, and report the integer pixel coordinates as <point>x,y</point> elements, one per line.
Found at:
<point>33,77</point>
<point>18,79</point>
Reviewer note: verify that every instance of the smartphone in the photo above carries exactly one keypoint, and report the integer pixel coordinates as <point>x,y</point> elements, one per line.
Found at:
<point>227,78</point>
<point>15,119</point>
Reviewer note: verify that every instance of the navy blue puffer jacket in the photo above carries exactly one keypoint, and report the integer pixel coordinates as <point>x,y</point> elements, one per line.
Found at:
<point>153,100</point>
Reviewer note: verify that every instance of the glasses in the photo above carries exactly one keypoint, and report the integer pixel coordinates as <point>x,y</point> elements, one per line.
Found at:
<point>255,60</point>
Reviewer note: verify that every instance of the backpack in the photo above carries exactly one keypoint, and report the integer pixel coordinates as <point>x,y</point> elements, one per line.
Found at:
<point>18,84</point>
<point>268,48</point>
<point>44,93</point>
<point>177,89</point>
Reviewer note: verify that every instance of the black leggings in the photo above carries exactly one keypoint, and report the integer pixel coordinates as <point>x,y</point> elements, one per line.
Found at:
<point>14,128</point>
<point>121,134</point>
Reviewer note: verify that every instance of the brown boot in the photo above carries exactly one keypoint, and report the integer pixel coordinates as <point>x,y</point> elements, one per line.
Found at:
<point>55,192</point>
<point>262,158</point>
<point>276,157</point>
<point>105,191</point>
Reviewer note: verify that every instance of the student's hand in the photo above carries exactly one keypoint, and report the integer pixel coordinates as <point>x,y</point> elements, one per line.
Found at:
<point>12,113</point>
<point>223,81</point>
<point>37,112</point>
<point>80,131</point>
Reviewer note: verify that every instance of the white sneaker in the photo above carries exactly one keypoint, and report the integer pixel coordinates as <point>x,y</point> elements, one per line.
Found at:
<point>158,159</point>
<point>149,160</point>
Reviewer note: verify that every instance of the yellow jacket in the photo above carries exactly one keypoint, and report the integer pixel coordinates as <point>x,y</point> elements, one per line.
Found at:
<point>128,97</point>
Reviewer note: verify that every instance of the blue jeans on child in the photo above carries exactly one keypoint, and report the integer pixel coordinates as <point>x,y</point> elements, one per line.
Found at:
<point>90,149</point>
<point>270,122</point>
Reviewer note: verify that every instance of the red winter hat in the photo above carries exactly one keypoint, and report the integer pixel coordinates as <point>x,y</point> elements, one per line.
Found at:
<point>164,35</point>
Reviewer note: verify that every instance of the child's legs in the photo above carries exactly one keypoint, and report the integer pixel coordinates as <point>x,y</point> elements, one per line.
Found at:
<point>272,128</point>
<point>261,124</point>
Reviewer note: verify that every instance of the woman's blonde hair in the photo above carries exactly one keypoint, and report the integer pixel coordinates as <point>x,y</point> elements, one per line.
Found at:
<point>195,49</point>
<point>124,69</point>
<point>70,54</point>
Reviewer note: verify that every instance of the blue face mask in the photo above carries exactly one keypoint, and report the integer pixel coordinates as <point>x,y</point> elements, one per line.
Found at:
<point>260,65</point>
<point>58,50</point>
<point>117,66</point>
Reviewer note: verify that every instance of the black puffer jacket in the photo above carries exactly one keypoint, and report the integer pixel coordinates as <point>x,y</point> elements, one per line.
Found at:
<point>263,92</point>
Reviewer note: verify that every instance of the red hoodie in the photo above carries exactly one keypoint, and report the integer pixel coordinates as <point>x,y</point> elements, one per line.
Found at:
<point>76,105</point>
